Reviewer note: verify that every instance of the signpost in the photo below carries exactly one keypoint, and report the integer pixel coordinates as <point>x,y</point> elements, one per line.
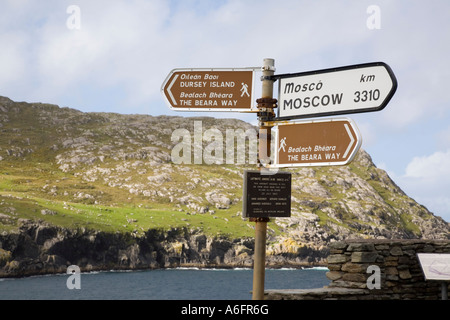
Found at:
<point>209,89</point>
<point>352,89</point>
<point>266,195</point>
<point>316,143</point>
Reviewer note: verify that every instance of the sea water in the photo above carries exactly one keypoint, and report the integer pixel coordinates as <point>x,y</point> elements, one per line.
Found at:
<point>166,284</point>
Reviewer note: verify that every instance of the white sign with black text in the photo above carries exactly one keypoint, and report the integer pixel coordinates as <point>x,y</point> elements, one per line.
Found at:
<point>352,89</point>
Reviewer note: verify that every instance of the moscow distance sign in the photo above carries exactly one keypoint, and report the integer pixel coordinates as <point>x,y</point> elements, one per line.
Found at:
<point>351,89</point>
<point>209,89</point>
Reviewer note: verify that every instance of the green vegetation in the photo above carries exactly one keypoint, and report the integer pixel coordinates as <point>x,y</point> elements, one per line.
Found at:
<point>21,197</point>
<point>114,173</point>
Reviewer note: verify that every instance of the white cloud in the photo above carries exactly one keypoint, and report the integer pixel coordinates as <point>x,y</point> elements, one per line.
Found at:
<point>119,44</point>
<point>435,166</point>
<point>427,180</point>
<point>444,138</point>
<point>11,58</point>
<point>134,44</point>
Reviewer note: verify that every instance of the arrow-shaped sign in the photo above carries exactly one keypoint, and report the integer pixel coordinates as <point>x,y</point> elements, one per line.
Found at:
<point>316,143</point>
<point>209,89</point>
<point>352,89</point>
<point>169,90</point>
<point>352,140</point>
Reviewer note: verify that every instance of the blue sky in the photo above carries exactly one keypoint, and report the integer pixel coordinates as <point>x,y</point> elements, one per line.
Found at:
<point>122,51</point>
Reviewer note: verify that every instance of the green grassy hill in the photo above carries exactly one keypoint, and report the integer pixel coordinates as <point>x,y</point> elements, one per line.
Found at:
<point>113,173</point>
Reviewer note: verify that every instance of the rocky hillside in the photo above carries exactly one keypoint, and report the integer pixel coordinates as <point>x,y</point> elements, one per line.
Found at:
<point>86,175</point>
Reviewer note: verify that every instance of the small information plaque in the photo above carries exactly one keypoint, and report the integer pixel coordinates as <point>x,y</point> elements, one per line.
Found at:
<point>435,266</point>
<point>266,195</point>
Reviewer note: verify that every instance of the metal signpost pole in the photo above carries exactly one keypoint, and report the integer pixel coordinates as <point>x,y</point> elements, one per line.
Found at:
<point>444,292</point>
<point>265,113</point>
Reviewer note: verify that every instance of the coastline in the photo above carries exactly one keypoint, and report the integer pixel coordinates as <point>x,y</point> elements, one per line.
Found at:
<point>86,270</point>
<point>323,268</point>
<point>39,249</point>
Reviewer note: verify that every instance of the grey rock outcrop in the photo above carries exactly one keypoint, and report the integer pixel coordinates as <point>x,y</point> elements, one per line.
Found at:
<point>64,157</point>
<point>42,248</point>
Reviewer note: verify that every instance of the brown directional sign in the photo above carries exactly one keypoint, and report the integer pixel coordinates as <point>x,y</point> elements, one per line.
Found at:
<point>316,143</point>
<point>266,195</point>
<point>209,89</point>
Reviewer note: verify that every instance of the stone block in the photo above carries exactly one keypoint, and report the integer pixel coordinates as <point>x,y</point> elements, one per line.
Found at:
<point>406,260</point>
<point>364,257</point>
<point>392,277</point>
<point>410,253</point>
<point>391,271</point>
<point>334,267</point>
<point>334,275</point>
<point>336,251</point>
<point>338,245</point>
<point>381,247</point>
<point>390,258</point>
<point>404,274</point>
<point>348,284</point>
<point>354,277</point>
<point>360,247</point>
<point>391,263</point>
<point>390,284</point>
<point>336,258</point>
<point>353,267</point>
<point>396,251</point>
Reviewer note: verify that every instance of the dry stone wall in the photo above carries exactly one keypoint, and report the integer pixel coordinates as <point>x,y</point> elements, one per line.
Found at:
<point>374,269</point>
<point>354,264</point>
